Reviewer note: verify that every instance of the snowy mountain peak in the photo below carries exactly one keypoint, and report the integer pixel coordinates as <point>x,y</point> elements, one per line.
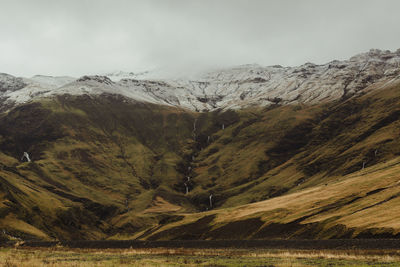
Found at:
<point>51,81</point>
<point>10,83</point>
<point>237,87</point>
<point>376,54</point>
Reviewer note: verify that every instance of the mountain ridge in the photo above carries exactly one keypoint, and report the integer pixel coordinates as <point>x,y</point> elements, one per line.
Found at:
<point>233,88</point>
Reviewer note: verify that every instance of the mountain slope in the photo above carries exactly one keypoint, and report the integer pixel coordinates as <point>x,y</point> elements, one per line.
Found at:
<point>360,205</point>
<point>236,88</point>
<point>107,166</point>
<point>97,156</point>
<point>133,158</point>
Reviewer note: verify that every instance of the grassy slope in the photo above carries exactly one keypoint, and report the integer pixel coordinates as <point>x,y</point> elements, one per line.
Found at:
<point>285,149</point>
<point>361,204</point>
<point>108,167</point>
<point>91,161</point>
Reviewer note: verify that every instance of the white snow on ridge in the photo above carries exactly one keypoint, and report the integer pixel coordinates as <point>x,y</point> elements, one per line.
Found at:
<point>238,87</point>
<point>97,85</point>
<point>51,81</point>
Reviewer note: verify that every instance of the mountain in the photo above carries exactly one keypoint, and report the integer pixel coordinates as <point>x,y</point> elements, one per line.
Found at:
<point>233,88</point>
<point>256,152</point>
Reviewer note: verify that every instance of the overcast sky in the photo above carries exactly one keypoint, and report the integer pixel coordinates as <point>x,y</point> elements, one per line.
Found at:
<point>76,37</point>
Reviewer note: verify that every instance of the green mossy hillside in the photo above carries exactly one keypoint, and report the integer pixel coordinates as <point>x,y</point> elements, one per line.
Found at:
<point>109,167</point>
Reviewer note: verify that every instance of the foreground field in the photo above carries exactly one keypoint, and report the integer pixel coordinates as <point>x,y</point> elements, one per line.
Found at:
<point>196,257</point>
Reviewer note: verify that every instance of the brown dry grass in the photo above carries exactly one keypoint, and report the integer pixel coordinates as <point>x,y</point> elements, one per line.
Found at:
<point>370,210</point>
<point>194,257</point>
<point>160,205</point>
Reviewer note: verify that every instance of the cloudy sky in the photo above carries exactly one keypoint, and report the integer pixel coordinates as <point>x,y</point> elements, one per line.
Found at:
<point>77,37</point>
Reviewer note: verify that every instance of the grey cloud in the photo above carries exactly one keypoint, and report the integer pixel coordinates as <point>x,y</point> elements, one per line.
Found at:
<point>82,37</point>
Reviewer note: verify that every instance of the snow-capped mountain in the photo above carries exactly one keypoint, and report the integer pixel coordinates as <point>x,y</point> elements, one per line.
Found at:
<point>237,87</point>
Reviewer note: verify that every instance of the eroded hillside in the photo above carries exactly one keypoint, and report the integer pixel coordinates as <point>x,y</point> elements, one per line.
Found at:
<point>106,166</point>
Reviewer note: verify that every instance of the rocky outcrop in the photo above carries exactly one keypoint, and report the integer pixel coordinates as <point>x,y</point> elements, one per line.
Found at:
<point>10,83</point>
<point>96,78</point>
